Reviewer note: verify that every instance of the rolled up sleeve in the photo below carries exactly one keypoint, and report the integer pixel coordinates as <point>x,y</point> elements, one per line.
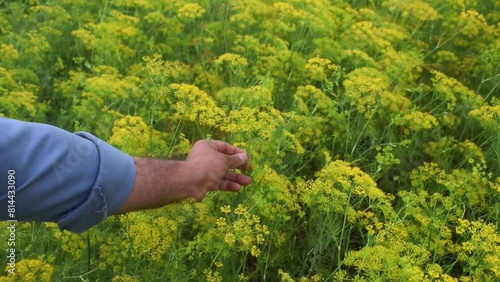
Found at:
<point>76,180</point>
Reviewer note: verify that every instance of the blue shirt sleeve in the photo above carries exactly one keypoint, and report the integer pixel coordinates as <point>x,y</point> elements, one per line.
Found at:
<point>76,180</point>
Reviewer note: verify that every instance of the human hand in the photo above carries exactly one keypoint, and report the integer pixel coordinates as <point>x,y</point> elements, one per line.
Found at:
<point>208,167</point>
<point>211,163</point>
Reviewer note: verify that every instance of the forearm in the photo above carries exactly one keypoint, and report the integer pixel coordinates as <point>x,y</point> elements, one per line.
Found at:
<point>157,183</point>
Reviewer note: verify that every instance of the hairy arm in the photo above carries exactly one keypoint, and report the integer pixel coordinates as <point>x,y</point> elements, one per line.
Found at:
<point>208,167</point>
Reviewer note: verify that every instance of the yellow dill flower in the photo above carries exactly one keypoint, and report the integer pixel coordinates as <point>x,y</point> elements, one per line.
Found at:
<point>488,117</point>
<point>31,270</point>
<point>231,65</point>
<point>446,145</point>
<point>366,35</point>
<point>149,237</point>
<point>195,105</point>
<point>130,134</point>
<point>320,69</point>
<point>285,276</point>
<point>471,187</point>
<point>365,31</point>
<point>277,198</point>
<point>255,251</point>
<point>190,11</point>
<point>241,209</point>
<point>403,67</point>
<point>7,82</point>
<point>230,239</point>
<point>163,72</point>
<point>394,102</point>
<point>18,104</point>
<point>493,261</point>
<point>287,17</point>
<point>418,120</point>
<point>413,8</point>
<point>445,57</point>
<point>462,5</point>
<point>242,20</point>
<point>9,54</point>
<point>234,61</point>
<point>294,142</point>
<point>481,244</point>
<point>368,88</point>
<point>225,209</point>
<point>254,122</point>
<point>221,222</point>
<point>338,184</point>
<point>37,44</point>
<point>145,4</point>
<point>212,276</point>
<point>395,259</point>
<point>253,97</point>
<point>385,157</point>
<point>471,24</point>
<point>451,91</point>
<point>435,270</point>
<point>356,55</point>
<point>124,278</point>
<point>85,36</point>
<point>313,101</point>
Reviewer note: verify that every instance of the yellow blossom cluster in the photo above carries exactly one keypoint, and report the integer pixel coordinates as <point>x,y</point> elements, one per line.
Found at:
<point>320,69</point>
<point>419,9</point>
<point>236,230</point>
<point>150,237</point>
<point>190,11</point>
<point>10,54</point>
<point>488,117</point>
<point>472,23</point>
<point>130,134</point>
<point>371,127</point>
<point>31,270</point>
<point>340,187</point>
<point>417,121</point>
<point>195,105</point>
<point>452,91</point>
<point>481,242</point>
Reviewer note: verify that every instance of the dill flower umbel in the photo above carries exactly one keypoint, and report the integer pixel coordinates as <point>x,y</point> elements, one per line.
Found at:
<point>451,90</point>
<point>31,270</point>
<point>418,9</point>
<point>418,121</point>
<point>190,11</point>
<point>195,105</point>
<point>320,69</point>
<point>130,133</point>
<point>9,54</point>
<point>488,117</point>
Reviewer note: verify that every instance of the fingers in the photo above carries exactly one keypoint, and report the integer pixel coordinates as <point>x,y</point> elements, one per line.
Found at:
<point>238,178</point>
<point>237,161</point>
<point>232,181</point>
<point>237,158</point>
<point>229,186</point>
<point>224,147</point>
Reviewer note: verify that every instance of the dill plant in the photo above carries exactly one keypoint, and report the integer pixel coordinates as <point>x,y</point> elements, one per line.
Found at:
<point>372,127</point>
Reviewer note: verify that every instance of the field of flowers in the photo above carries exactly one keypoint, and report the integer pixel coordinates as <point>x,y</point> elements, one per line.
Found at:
<point>373,129</point>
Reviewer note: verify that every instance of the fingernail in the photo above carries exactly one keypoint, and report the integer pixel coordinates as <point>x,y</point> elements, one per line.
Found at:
<point>243,157</point>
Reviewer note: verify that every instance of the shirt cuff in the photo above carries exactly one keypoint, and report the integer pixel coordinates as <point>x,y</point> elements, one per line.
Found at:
<point>114,181</point>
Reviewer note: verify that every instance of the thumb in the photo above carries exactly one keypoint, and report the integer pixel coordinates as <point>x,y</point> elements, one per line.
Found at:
<point>237,160</point>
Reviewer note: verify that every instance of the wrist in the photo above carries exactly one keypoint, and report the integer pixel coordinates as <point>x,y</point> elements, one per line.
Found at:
<point>157,183</point>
